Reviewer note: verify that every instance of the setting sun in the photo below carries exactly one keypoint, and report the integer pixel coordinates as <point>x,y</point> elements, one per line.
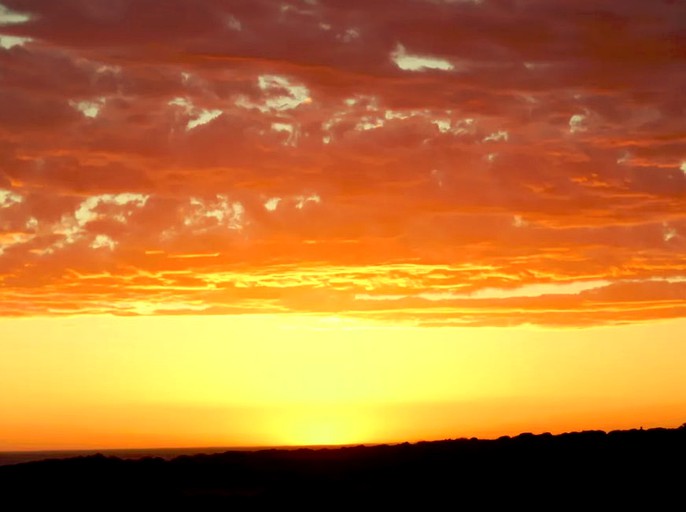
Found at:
<point>323,426</point>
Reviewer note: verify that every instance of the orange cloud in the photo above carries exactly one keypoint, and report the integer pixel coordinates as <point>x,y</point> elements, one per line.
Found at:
<point>350,157</point>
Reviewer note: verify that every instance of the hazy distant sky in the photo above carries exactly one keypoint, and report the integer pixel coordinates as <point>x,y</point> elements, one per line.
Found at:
<point>415,165</point>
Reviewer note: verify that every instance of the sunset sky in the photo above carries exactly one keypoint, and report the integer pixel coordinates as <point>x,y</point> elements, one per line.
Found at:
<point>262,222</point>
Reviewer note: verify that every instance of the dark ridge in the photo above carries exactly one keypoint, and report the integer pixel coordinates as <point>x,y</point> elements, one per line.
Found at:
<point>586,469</point>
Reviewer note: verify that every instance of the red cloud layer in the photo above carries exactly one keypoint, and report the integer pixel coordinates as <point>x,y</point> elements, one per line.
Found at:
<point>215,156</point>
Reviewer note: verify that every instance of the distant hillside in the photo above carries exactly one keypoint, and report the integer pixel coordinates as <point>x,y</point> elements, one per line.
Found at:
<point>588,468</point>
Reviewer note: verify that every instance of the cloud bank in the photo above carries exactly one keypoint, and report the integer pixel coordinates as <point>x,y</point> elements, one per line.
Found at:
<point>488,162</point>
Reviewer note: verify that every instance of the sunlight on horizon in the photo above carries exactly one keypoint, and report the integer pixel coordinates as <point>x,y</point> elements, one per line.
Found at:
<point>256,380</point>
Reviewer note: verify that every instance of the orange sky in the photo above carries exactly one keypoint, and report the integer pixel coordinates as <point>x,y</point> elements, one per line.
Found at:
<point>490,183</point>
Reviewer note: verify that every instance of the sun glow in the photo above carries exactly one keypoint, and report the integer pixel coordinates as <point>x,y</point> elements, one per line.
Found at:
<point>322,426</point>
<point>303,380</point>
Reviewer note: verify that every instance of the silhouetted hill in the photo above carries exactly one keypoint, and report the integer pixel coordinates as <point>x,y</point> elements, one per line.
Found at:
<point>588,469</point>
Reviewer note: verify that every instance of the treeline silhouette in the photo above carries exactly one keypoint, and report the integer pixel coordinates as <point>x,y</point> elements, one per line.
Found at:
<point>621,468</point>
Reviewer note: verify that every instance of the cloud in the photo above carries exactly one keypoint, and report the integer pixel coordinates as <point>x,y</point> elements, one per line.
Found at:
<point>197,117</point>
<point>10,17</point>
<point>280,93</point>
<point>9,198</point>
<point>9,42</point>
<point>457,156</point>
<point>88,108</point>
<point>409,62</point>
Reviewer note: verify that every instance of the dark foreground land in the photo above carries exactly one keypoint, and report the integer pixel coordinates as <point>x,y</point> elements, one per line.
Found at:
<point>588,469</point>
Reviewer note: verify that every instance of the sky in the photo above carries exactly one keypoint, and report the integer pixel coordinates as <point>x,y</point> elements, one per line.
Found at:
<point>262,222</point>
